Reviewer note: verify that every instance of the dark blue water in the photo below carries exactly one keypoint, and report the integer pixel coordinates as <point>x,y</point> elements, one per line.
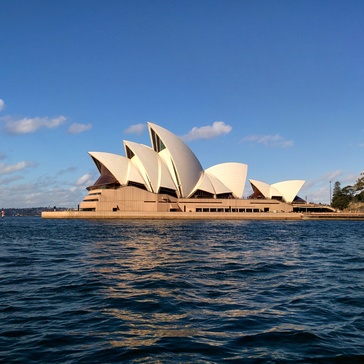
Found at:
<point>182,292</point>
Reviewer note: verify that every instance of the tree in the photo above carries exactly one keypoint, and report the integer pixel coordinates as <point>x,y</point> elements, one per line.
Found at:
<point>337,189</point>
<point>360,196</point>
<point>341,197</point>
<point>359,184</point>
<point>348,191</point>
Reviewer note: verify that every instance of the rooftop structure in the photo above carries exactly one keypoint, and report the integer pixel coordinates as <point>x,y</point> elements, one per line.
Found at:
<point>284,191</point>
<point>168,177</point>
<point>169,166</point>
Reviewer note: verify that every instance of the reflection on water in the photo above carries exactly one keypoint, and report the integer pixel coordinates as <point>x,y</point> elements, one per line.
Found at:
<point>112,291</point>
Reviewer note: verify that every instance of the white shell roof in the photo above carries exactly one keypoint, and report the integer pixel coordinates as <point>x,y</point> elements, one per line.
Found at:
<point>262,187</point>
<point>286,189</point>
<point>171,164</point>
<point>209,183</point>
<point>204,184</point>
<point>121,168</point>
<point>183,165</point>
<point>289,189</point>
<point>151,167</point>
<point>232,175</point>
<point>218,186</point>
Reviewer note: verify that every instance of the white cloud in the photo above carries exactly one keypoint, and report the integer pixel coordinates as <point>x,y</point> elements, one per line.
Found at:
<point>84,180</point>
<point>2,104</point>
<point>45,191</point>
<point>332,176</point>
<point>10,179</point>
<point>67,170</point>
<point>79,128</point>
<point>137,129</point>
<point>7,169</point>
<point>269,140</point>
<point>208,132</point>
<point>30,125</point>
<point>318,190</point>
<point>37,194</point>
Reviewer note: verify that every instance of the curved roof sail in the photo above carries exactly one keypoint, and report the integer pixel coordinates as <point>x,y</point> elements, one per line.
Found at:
<point>232,175</point>
<point>183,165</point>
<point>120,167</point>
<point>289,189</point>
<point>150,166</point>
<point>261,189</point>
<point>170,167</point>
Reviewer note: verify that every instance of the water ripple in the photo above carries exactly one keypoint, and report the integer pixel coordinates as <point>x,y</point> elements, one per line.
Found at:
<point>177,291</point>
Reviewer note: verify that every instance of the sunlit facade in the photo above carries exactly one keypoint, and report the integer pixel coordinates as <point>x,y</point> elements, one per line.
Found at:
<point>168,177</point>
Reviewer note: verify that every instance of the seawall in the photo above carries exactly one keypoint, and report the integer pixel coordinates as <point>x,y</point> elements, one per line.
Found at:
<point>199,215</point>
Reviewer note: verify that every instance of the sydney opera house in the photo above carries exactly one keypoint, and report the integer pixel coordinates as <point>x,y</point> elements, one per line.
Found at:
<point>168,178</point>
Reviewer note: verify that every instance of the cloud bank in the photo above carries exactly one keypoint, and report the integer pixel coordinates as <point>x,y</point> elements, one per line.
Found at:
<point>86,179</point>
<point>137,129</point>
<point>208,132</point>
<point>77,128</point>
<point>31,125</point>
<point>269,140</point>
<point>7,169</point>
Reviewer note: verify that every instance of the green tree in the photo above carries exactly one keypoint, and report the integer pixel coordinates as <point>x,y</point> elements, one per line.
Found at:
<point>336,192</point>
<point>360,196</point>
<point>341,197</point>
<point>359,184</point>
<point>348,191</point>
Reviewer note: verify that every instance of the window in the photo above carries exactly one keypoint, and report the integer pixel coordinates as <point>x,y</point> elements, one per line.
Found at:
<point>202,194</point>
<point>129,153</point>
<point>167,191</point>
<point>158,145</point>
<point>138,185</point>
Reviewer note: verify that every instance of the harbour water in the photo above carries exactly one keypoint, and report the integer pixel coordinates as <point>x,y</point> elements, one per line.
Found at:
<point>93,291</point>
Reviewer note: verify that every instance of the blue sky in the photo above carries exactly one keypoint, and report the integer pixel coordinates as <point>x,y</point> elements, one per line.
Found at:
<point>278,85</point>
